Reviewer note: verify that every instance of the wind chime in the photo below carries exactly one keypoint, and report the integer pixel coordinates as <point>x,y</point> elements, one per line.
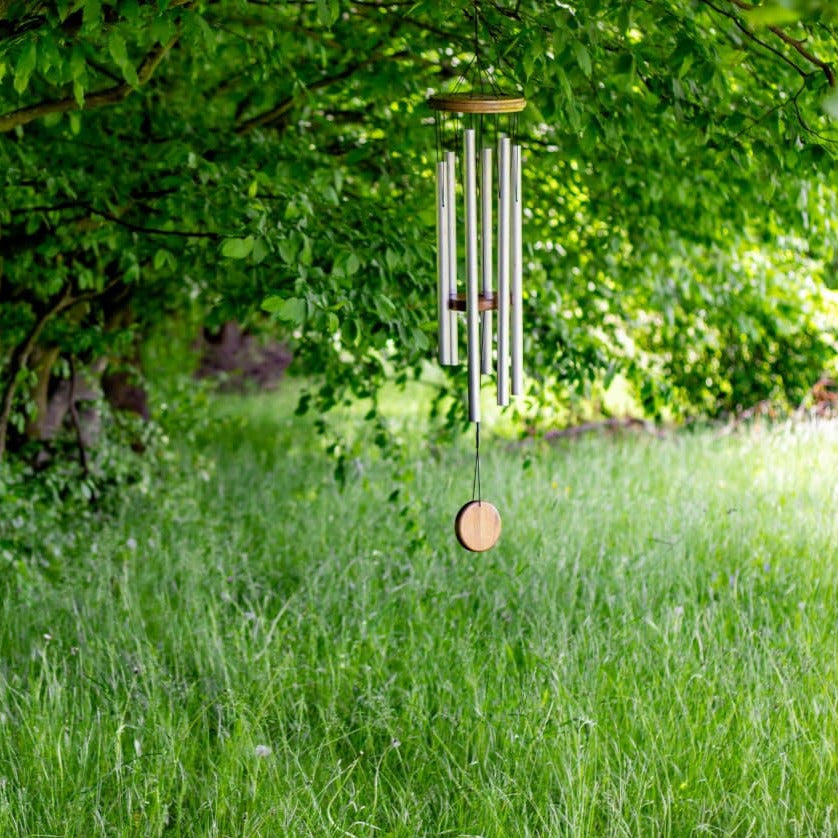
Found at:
<point>477,138</point>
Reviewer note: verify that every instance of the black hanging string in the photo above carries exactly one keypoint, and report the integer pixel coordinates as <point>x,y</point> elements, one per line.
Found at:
<point>476,482</point>
<point>465,75</point>
<point>477,32</point>
<point>476,493</point>
<point>485,78</point>
<point>476,49</point>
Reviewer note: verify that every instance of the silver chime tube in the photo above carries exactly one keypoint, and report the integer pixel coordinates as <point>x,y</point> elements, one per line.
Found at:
<point>486,263</point>
<point>472,288</point>
<point>450,197</point>
<point>503,268</point>
<point>442,267</point>
<point>516,271</point>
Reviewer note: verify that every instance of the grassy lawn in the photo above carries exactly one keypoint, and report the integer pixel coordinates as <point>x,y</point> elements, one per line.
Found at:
<point>650,650</point>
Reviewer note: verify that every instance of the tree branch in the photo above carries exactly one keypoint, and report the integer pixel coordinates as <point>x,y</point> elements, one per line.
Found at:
<point>753,37</point>
<point>155,231</point>
<point>796,44</point>
<point>109,96</point>
<point>108,216</point>
<point>286,104</point>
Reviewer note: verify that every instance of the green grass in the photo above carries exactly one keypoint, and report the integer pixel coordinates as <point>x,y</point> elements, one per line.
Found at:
<point>651,649</point>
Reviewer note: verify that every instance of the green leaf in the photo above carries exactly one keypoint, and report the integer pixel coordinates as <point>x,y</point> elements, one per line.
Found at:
<point>306,253</point>
<point>625,65</point>
<point>564,83</point>
<point>162,29</point>
<point>351,331</point>
<point>291,310</point>
<point>353,263</point>
<point>78,93</point>
<point>78,66</point>
<point>129,9</point>
<point>528,64</point>
<point>272,304</point>
<point>92,14</point>
<point>50,56</point>
<point>289,248</point>
<point>583,58</point>
<point>773,14</point>
<point>119,53</point>
<point>129,73</point>
<point>25,65</point>
<point>117,48</point>
<point>419,340</point>
<point>162,258</point>
<point>328,11</point>
<point>260,251</point>
<point>830,105</point>
<point>237,248</point>
<point>303,405</point>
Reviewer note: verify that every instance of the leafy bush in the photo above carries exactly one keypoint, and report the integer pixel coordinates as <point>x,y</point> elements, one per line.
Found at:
<point>50,507</point>
<point>760,326</point>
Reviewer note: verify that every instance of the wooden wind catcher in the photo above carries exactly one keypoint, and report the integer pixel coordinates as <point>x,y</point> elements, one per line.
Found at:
<point>478,186</point>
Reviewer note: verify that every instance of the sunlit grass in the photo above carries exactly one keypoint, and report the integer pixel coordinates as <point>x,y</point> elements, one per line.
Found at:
<point>650,650</point>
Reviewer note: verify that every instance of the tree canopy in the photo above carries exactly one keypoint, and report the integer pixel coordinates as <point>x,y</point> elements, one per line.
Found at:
<point>262,160</point>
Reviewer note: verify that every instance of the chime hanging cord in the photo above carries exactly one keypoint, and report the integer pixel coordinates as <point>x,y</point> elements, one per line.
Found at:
<point>476,493</point>
<point>477,40</point>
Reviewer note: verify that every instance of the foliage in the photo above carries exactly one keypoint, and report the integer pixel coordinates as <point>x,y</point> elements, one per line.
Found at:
<point>49,513</point>
<point>158,158</point>
<point>751,329</point>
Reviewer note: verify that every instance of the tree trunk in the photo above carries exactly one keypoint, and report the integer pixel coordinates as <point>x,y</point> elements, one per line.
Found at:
<point>20,359</point>
<point>43,360</point>
<point>21,354</point>
<point>74,414</point>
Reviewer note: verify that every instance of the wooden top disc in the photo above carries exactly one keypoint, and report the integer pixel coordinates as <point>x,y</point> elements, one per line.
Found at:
<point>476,103</point>
<point>477,526</point>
